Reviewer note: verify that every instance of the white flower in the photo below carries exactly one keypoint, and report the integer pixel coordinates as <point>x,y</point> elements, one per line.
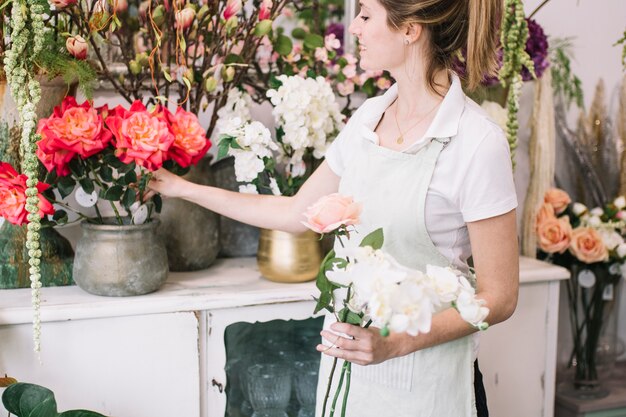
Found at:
<point>579,209</point>
<point>446,282</point>
<point>247,165</point>
<point>594,221</point>
<point>237,106</point>
<point>248,189</point>
<point>620,202</point>
<point>597,212</point>
<point>413,306</point>
<point>496,113</point>
<point>621,250</point>
<point>274,186</point>
<point>471,310</point>
<point>610,238</point>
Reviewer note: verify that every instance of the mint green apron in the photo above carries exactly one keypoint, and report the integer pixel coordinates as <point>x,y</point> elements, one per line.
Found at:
<point>433,382</point>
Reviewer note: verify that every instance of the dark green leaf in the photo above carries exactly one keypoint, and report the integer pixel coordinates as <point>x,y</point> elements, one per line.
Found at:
<point>51,177</point>
<point>348,316</point>
<point>222,148</point>
<point>313,40</point>
<point>369,88</point>
<point>80,413</point>
<point>158,203</point>
<point>374,239</point>
<point>298,33</point>
<point>324,302</point>
<point>46,408</point>
<point>22,399</point>
<point>123,168</point>
<point>60,216</point>
<point>106,173</point>
<point>233,59</point>
<point>114,193</point>
<point>130,177</point>
<point>274,82</point>
<point>66,186</point>
<point>283,45</point>
<point>77,168</point>
<point>87,185</point>
<point>12,395</point>
<point>129,197</point>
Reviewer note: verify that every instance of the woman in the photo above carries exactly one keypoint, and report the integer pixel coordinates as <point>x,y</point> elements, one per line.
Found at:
<point>430,168</point>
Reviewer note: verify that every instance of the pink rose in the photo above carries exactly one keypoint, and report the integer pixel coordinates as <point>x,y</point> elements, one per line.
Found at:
<point>554,234</point>
<point>77,46</point>
<point>61,4</point>
<point>140,136</point>
<point>265,10</point>
<point>75,128</point>
<point>545,212</point>
<point>587,245</point>
<point>190,141</point>
<point>558,198</point>
<point>54,158</point>
<point>184,18</point>
<point>232,8</point>
<point>13,196</point>
<point>330,212</point>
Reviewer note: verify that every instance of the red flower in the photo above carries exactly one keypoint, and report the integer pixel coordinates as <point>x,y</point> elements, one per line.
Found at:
<point>140,136</point>
<point>13,196</point>
<point>72,129</point>
<point>190,141</point>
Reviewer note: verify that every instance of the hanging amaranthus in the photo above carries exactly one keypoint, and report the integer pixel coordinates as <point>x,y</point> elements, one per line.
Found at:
<point>27,40</point>
<point>513,39</point>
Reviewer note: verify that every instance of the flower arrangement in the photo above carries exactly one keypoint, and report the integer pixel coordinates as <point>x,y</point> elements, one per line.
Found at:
<point>108,154</point>
<point>13,196</point>
<point>590,243</point>
<point>364,285</point>
<point>307,119</point>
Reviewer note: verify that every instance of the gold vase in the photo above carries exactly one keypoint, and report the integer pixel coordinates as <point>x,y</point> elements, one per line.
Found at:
<point>289,257</point>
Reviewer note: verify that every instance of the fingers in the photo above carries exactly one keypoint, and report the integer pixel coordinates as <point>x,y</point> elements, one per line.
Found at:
<point>339,341</point>
<point>148,195</point>
<point>354,356</point>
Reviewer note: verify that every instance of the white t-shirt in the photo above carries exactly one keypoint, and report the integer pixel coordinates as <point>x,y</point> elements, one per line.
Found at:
<point>473,177</point>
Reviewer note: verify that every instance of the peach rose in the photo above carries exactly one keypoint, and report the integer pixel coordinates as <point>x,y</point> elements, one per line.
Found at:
<point>558,198</point>
<point>140,136</point>
<point>330,212</point>
<point>545,212</point>
<point>554,234</point>
<point>587,245</point>
<point>75,128</point>
<point>13,196</point>
<point>77,46</point>
<point>190,141</point>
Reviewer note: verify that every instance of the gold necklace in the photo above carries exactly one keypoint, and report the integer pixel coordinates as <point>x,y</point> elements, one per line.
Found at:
<point>400,139</point>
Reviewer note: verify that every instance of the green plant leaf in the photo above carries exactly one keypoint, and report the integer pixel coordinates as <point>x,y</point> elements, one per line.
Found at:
<point>350,316</point>
<point>298,33</point>
<point>233,59</point>
<point>323,302</point>
<point>76,168</point>
<point>283,45</point>
<point>129,197</point>
<point>114,193</point>
<point>66,186</point>
<point>60,216</point>
<point>313,40</point>
<point>158,203</point>
<point>374,239</point>
<point>11,397</point>
<point>106,173</point>
<point>222,148</point>
<point>80,413</point>
<point>47,408</point>
<point>87,185</point>
<point>130,177</point>
<point>29,400</point>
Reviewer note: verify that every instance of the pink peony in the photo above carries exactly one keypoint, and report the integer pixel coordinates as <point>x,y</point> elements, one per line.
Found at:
<point>76,128</point>
<point>140,136</point>
<point>330,212</point>
<point>77,46</point>
<point>587,245</point>
<point>13,196</point>
<point>190,141</point>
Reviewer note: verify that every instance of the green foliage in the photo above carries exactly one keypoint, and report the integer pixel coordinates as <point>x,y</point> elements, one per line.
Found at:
<point>622,41</point>
<point>58,63</point>
<point>30,400</point>
<point>564,81</point>
<point>374,239</point>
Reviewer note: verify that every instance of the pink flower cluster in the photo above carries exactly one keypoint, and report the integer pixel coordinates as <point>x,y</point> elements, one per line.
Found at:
<point>148,138</point>
<point>13,196</point>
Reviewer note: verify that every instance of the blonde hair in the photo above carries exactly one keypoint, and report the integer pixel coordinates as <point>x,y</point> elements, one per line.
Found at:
<point>452,26</point>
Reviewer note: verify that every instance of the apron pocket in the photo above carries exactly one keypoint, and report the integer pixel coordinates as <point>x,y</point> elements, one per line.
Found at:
<point>396,373</point>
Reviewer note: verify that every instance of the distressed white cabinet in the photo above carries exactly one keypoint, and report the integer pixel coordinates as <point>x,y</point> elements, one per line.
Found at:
<point>163,354</point>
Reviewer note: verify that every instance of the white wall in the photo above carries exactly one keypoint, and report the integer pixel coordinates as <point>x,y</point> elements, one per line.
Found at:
<point>595,26</point>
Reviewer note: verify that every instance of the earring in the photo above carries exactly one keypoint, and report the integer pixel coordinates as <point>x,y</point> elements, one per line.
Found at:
<point>406,42</point>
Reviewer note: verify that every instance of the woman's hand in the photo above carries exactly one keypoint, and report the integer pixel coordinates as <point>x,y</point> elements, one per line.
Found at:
<point>365,347</point>
<point>166,184</point>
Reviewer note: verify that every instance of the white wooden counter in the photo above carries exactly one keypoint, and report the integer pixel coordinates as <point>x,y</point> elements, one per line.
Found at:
<point>162,354</point>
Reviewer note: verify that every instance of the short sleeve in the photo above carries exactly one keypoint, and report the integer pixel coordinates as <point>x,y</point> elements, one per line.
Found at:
<point>488,188</point>
<point>340,150</point>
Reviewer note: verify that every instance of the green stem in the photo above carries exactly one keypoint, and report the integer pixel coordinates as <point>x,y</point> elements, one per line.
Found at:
<point>102,186</point>
<point>336,397</point>
<point>330,383</point>
<point>344,406</point>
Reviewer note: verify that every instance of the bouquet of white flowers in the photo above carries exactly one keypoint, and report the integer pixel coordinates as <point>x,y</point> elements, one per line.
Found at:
<point>363,285</point>
<point>307,119</point>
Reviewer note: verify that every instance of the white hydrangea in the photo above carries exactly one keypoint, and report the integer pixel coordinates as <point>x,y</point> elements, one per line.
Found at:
<point>307,112</point>
<point>237,106</point>
<point>248,189</point>
<point>247,165</point>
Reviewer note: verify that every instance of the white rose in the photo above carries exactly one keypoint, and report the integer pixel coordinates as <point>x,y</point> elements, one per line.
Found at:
<point>597,212</point>
<point>594,221</point>
<point>621,250</point>
<point>248,189</point>
<point>620,202</point>
<point>610,238</point>
<point>579,209</point>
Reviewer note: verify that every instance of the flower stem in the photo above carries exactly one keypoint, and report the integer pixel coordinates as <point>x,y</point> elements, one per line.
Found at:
<point>330,383</point>
<point>336,397</point>
<point>344,406</point>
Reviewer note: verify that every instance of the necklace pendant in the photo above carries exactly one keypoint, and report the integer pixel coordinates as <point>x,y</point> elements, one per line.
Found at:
<point>400,140</point>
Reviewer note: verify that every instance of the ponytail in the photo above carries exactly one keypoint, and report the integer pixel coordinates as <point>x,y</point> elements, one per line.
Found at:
<point>482,40</point>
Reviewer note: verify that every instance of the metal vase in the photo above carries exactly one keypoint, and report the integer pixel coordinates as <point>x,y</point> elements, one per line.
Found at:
<point>289,257</point>
<point>190,232</point>
<point>117,261</point>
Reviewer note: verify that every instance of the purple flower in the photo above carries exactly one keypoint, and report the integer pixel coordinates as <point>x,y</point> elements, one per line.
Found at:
<point>337,29</point>
<point>537,48</point>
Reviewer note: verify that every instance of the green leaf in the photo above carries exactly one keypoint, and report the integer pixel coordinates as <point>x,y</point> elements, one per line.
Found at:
<point>51,177</point>
<point>348,316</point>
<point>60,216</point>
<point>298,33</point>
<point>323,302</point>
<point>12,395</point>
<point>106,173</point>
<point>24,399</point>
<point>123,168</point>
<point>129,197</point>
<point>76,168</point>
<point>87,185</point>
<point>167,75</point>
<point>233,59</point>
<point>114,193</point>
<point>374,239</point>
<point>158,203</point>
<point>283,45</point>
<point>47,408</point>
<point>222,148</point>
<point>130,177</point>
<point>313,40</point>
<point>66,186</point>
<point>80,413</point>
